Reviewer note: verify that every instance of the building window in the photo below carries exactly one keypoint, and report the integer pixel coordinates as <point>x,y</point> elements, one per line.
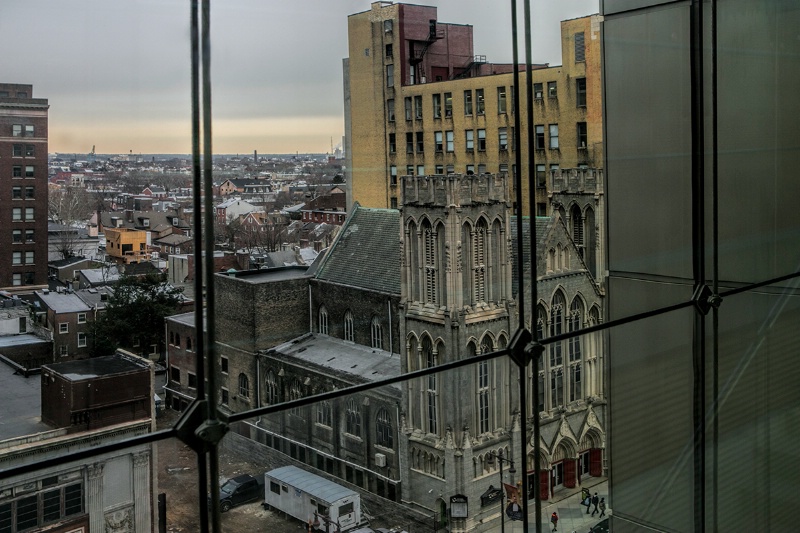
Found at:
<point>81,340</point>
<point>16,150</point>
<point>223,364</point>
<point>580,50</point>
<point>407,107</point>
<point>29,213</point>
<point>16,171</point>
<point>451,169</point>
<point>541,179</point>
<point>188,344</point>
<point>552,89</point>
<point>224,396</point>
<point>409,170</point>
<point>393,174</point>
<point>377,333</point>
<point>468,102</point>
<point>383,429</point>
<point>348,326</point>
<point>389,50</point>
<point>539,132</point>
<point>554,136</point>
<point>439,169</point>
<point>481,169</point>
<point>392,143</point>
<point>16,214</point>
<point>81,318</point>
<point>580,92</point>
<point>582,136</point>
<point>63,350</point>
<point>483,396</point>
<point>295,393</point>
<point>390,110</point>
<point>63,327</point>
<point>480,104</point>
<point>16,279</point>
<point>420,143</point>
<point>503,169</point>
<point>553,168</point>
<point>418,107</point>
<point>448,104</point>
<point>449,139</point>
<point>244,386</point>
<point>29,150</point>
<point>420,170</point>
<point>16,235</point>
<point>437,106</point>
<point>501,100</point>
<point>393,202</point>
<point>29,171</point>
<point>409,142</point>
<point>175,374</point>
<point>16,193</point>
<point>469,140</point>
<point>352,421</point>
<point>387,25</point>
<point>29,131</point>
<point>503,138</point>
<point>481,140</point>
<point>390,75</point>
<point>29,235</point>
<point>16,130</point>
<point>29,193</point>
<point>271,388</point>
<point>437,141</point>
<point>538,91</point>
<point>470,169</point>
<point>431,390</point>
<point>324,413</point>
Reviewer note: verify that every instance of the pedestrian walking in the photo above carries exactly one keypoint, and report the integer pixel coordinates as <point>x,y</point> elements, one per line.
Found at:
<point>602,508</point>
<point>595,502</point>
<point>587,502</point>
<point>554,520</point>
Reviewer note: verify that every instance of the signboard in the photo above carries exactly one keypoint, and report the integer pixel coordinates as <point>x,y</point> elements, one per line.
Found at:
<point>491,496</point>
<point>459,506</point>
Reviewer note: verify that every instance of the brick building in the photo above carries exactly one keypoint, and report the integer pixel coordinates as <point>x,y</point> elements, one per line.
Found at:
<point>419,101</point>
<point>23,188</point>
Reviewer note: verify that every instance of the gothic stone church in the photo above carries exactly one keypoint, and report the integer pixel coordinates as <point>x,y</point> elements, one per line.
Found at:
<point>432,283</point>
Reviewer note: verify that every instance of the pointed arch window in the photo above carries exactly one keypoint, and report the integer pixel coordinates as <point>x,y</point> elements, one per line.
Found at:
<point>556,351</point>
<point>431,388</point>
<point>348,326</point>
<point>323,320</point>
<point>479,246</point>
<point>271,387</point>
<point>577,227</point>
<point>574,323</point>
<point>383,427</point>
<point>353,418</point>
<point>377,333</point>
<point>541,325</point>
<point>430,253</point>
<point>324,413</point>
<point>484,389</point>
<point>295,393</point>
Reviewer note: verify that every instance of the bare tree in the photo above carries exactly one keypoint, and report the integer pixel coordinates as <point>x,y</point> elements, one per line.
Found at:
<point>70,207</point>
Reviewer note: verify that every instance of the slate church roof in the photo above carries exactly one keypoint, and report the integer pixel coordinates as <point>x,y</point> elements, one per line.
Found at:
<point>366,253</point>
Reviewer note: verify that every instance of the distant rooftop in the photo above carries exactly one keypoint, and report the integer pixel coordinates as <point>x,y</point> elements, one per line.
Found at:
<point>96,366</point>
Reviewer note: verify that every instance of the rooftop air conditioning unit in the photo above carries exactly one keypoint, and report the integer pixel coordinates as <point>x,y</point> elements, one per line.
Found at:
<point>380,459</point>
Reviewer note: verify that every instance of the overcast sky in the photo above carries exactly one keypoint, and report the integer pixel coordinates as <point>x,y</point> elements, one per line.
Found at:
<point>117,73</point>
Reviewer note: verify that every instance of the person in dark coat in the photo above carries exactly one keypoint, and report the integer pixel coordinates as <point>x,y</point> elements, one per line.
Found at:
<point>595,502</point>
<point>602,508</point>
<point>554,520</point>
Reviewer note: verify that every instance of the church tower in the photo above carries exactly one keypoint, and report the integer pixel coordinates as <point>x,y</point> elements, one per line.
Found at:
<point>456,302</point>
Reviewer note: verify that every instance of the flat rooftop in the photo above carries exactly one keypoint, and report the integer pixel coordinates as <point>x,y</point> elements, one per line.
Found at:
<point>22,404</point>
<point>96,367</point>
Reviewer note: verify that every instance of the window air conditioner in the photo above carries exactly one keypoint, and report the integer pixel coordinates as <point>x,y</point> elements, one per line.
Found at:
<point>380,459</point>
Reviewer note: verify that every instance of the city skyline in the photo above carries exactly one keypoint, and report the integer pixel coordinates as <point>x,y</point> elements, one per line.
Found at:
<point>117,77</point>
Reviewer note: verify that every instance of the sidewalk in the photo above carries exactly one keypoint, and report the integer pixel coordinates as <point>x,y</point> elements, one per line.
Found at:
<point>571,514</point>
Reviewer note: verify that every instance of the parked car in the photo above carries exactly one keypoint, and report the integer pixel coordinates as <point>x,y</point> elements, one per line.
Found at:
<point>239,490</point>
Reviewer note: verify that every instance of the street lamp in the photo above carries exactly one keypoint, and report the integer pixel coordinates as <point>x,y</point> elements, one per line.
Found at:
<point>512,470</point>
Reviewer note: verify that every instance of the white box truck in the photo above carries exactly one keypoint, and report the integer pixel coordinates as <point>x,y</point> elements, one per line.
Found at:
<point>314,500</point>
